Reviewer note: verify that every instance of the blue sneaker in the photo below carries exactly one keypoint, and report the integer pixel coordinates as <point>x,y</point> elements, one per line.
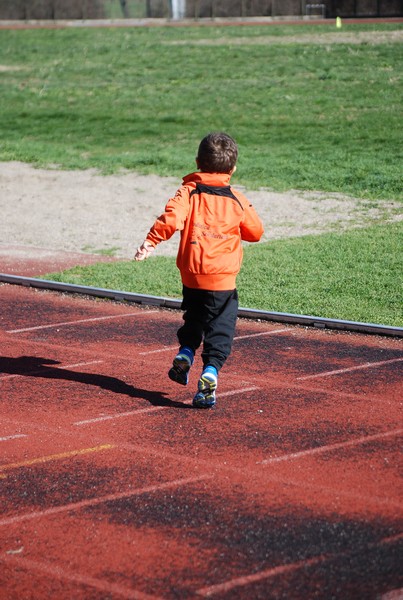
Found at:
<point>179,372</point>
<point>207,385</point>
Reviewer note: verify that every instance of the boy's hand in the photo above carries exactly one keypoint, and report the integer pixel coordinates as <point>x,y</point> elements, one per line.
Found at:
<point>144,251</point>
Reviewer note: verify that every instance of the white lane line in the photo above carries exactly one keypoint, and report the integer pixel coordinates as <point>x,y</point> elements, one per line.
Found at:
<point>50,368</point>
<point>226,586</point>
<point>133,413</point>
<point>130,413</point>
<point>393,595</point>
<point>341,394</point>
<point>239,337</point>
<point>107,588</point>
<point>253,335</point>
<point>164,349</point>
<point>371,500</point>
<point>330,447</point>
<point>252,388</point>
<point>349,369</point>
<point>13,437</point>
<point>62,324</point>
<point>100,500</point>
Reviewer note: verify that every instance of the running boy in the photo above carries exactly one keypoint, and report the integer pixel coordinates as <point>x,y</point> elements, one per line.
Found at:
<point>212,219</point>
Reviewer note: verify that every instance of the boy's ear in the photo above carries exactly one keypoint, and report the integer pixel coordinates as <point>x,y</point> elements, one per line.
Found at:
<point>233,170</point>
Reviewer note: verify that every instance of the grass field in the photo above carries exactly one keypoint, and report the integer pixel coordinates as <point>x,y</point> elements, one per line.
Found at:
<point>355,275</point>
<point>307,113</point>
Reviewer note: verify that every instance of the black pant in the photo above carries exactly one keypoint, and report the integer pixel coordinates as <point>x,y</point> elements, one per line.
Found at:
<point>212,316</point>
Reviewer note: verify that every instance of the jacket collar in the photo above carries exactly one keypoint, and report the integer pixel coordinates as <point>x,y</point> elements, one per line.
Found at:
<point>208,178</point>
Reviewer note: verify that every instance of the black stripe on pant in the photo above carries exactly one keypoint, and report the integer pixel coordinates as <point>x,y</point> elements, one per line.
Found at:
<point>209,317</point>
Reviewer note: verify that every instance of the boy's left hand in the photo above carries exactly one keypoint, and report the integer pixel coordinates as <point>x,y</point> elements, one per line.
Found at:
<point>144,251</point>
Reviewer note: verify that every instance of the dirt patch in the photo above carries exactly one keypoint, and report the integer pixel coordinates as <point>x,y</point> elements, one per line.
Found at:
<point>83,211</point>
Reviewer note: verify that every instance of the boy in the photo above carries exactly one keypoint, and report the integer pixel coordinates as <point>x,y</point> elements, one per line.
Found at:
<point>213,219</point>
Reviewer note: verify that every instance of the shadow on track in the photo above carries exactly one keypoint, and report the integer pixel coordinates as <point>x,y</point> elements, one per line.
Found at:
<point>34,366</point>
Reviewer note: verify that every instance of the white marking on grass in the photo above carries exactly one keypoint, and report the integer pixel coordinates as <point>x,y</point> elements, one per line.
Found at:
<point>349,369</point>
<point>66,323</point>
<point>330,447</point>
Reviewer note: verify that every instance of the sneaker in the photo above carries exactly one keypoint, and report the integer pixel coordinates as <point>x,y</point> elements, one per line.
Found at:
<point>207,385</point>
<point>179,372</point>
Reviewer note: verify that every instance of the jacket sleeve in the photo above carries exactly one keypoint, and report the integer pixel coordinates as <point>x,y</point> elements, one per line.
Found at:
<point>251,226</point>
<point>172,219</point>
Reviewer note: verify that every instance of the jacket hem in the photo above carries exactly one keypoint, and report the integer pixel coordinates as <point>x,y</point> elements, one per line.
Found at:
<point>201,281</point>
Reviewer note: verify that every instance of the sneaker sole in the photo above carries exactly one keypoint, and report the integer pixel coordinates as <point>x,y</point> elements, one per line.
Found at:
<point>205,397</point>
<point>203,401</point>
<point>179,372</point>
<point>206,385</point>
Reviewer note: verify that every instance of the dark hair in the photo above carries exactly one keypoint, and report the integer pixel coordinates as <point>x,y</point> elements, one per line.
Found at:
<point>217,153</point>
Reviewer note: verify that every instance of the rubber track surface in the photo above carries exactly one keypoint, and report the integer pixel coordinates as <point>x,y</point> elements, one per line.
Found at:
<point>113,486</point>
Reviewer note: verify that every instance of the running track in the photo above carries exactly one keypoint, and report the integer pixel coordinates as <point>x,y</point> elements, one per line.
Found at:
<point>112,486</point>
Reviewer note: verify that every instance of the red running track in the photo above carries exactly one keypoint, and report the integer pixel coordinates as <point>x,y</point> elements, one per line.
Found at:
<point>113,486</point>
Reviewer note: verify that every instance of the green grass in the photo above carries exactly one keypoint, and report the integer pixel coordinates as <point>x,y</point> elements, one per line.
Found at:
<point>354,276</point>
<point>306,116</point>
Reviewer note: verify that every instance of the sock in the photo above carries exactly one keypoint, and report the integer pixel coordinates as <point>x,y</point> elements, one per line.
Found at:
<point>188,352</point>
<point>210,370</point>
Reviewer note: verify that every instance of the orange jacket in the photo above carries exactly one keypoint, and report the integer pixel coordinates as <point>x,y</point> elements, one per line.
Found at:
<point>213,219</point>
